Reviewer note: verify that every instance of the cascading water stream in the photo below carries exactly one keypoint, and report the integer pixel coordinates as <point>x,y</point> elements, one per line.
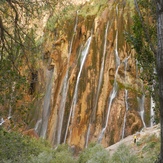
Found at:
<point>114,90</point>
<point>111,98</point>
<point>65,89</point>
<point>142,99</point>
<point>126,97</point>
<point>87,136</point>
<point>152,114</point>
<point>12,100</point>
<point>74,99</point>
<point>99,84</point>
<point>124,121</point>
<point>38,125</point>
<point>141,107</point>
<point>2,120</point>
<point>46,105</point>
<point>101,71</point>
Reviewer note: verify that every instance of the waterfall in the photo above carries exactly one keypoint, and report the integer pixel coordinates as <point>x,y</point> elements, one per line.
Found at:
<point>87,136</point>
<point>101,71</point>
<point>114,90</point>
<point>117,59</point>
<point>152,112</point>
<point>38,125</point>
<point>141,99</point>
<point>111,98</point>
<point>62,108</point>
<point>74,99</point>
<point>92,118</point>
<point>141,107</point>
<point>124,120</point>
<point>2,121</point>
<point>125,97</point>
<point>11,100</point>
<point>46,105</point>
<point>65,89</point>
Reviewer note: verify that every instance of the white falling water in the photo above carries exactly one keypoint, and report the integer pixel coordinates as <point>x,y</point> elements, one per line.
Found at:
<point>126,97</point>
<point>65,89</point>
<point>117,59</point>
<point>11,100</point>
<point>38,125</point>
<point>152,114</point>
<point>87,136</point>
<point>141,107</point>
<point>142,99</point>
<point>99,83</point>
<point>10,105</point>
<point>111,98</point>
<point>74,99</point>
<point>46,105</point>
<point>1,121</point>
<point>124,121</point>
<point>114,90</point>
<point>62,108</point>
<point>102,68</point>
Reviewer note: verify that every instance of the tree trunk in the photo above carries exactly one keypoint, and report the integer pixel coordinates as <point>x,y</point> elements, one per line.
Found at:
<point>159,60</point>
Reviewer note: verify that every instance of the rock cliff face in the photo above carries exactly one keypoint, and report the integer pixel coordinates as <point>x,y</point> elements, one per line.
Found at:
<point>93,91</point>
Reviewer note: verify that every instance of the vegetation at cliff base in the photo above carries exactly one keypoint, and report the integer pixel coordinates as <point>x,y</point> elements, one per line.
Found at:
<point>18,148</point>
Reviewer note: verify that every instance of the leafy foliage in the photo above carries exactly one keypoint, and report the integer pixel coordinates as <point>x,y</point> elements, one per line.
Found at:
<point>124,154</point>
<point>143,39</point>
<point>16,147</point>
<point>63,155</point>
<point>95,153</point>
<point>43,157</point>
<point>19,55</point>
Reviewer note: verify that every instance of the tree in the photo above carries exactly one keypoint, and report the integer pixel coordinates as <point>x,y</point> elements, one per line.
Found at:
<point>18,51</point>
<point>159,62</point>
<point>143,35</point>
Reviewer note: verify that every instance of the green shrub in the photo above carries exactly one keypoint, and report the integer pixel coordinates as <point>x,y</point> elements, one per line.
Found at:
<point>124,155</point>
<point>63,155</point>
<point>44,157</point>
<point>151,149</point>
<point>19,148</point>
<point>95,153</point>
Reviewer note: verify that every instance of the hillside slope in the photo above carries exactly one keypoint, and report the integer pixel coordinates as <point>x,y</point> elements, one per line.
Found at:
<point>147,145</point>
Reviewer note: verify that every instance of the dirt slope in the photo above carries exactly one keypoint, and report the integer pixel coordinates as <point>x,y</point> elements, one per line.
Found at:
<point>129,141</point>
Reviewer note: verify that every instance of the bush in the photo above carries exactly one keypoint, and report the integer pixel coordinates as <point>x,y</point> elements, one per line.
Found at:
<point>60,155</point>
<point>44,157</point>
<point>63,155</point>
<point>124,155</point>
<point>18,148</point>
<point>95,153</point>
